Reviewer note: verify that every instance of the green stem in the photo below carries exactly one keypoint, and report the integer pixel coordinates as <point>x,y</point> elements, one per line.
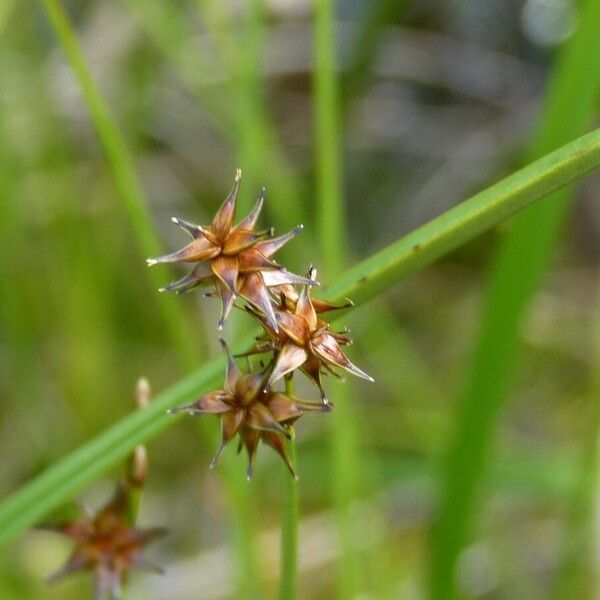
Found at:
<point>345,465</point>
<point>364,281</point>
<point>327,140</point>
<point>288,586</point>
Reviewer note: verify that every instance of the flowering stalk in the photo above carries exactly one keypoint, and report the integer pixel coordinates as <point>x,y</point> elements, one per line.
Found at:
<point>288,582</point>
<point>236,262</point>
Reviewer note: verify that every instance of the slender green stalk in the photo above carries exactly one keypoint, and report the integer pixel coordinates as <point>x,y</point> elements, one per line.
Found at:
<point>364,281</point>
<point>521,261</point>
<point>122,168</point>
<point>332,225</point>
<point>345,468</point>
<point>288,585</point>
<point>577,575</point>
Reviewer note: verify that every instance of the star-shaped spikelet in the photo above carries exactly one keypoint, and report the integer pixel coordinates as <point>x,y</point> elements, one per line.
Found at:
<point>107,545</point>
<point>303,340</point>
<point>235,258</point>
<point>248,409</point>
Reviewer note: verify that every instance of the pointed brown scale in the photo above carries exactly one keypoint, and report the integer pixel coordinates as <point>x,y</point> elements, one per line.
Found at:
<point>238,241</point>
<point>232,422</point>
<point>277,444</point>
<point>227,299</point>
<point>224,218</point>
<point>210,236</point>
<point>253,260</point>
<point>323,306</point>
<point>268,247</point>
<point>253,290</point>
<point>200,275</point>
<point>294,326</point>
<point>260,418</point>
<point>304,308</point>
<point>217,455</point>
<point>213,403</point>
<point>232,373</point>
<point>226,268</point>
<point>248,387</point>
<point>290,357</point>
<point>283,408</point>
<point>197,250</point>
<point>195,231</point>
<point>250,438</point>
<point>312,369</point>
<point>249,222</point>
<point>326,348</point>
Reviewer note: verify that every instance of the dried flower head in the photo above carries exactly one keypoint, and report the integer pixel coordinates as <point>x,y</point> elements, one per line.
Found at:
<point>107,545</point>
<point>248,409</point>
<point>303,340</point>
<point>236,259</point>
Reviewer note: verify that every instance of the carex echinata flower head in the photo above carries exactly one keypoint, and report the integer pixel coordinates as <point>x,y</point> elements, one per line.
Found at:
<point>304,341</point>
<point>107,545</point>
<point>235,258</point>
<point>247,408</point>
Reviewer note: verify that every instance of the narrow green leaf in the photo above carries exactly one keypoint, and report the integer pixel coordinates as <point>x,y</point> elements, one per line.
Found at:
<point>364,281</point>
<point>345,465</point>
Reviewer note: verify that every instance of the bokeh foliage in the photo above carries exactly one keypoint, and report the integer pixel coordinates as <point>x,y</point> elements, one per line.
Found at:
<point>430,104</point>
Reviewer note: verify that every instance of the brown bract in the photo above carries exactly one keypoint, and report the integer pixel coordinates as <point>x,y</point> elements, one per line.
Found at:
<point>107,545</point>
<point>286,296</point>
<point>249,410</point>
<point>304,341</point>
<point>236,259</point>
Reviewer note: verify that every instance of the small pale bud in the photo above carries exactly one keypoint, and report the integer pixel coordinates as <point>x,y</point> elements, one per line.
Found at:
<point>142,392</point>
<point>138,467</point>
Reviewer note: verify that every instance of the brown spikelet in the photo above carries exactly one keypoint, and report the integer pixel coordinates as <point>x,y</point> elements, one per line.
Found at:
<point>305,341</point>
<point>233,258</point>
<point>249,410</point>
<point>107,545</point>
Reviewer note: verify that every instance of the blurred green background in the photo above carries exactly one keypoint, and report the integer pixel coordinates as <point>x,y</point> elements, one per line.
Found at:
<point>436,101</point>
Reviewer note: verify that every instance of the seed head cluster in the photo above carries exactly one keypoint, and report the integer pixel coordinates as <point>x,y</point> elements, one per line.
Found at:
<point>107,542</point>
<point>236,261</point>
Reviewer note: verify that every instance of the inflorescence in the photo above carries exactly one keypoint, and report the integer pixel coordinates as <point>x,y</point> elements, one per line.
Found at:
<point>236,260</point>
<point>107,542</point>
